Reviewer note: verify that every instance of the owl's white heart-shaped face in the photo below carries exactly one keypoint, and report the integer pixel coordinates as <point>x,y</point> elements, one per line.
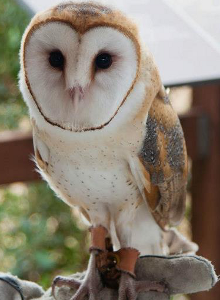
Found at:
<point>79,81</point>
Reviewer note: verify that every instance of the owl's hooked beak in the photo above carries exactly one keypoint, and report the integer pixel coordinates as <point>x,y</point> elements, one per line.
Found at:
<point>76,92</point>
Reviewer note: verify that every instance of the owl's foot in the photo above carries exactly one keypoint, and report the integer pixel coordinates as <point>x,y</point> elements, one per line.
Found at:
<point>91,284</point>
<point>129,288</point>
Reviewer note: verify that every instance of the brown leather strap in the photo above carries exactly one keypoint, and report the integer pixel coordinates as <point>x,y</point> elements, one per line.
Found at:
<point>127,259</point>
<point>98,235</point>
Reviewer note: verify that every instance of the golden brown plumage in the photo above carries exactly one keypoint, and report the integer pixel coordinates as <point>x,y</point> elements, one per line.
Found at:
<point>165,158</point>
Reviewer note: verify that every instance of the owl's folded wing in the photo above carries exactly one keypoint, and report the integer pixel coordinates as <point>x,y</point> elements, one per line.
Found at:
<point>162,163</point>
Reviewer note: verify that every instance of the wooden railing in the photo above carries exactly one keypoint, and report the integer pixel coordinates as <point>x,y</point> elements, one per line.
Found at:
<point>16,149</point>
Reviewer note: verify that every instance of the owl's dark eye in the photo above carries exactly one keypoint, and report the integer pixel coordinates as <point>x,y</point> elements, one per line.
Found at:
<point>56,59</point>
<point>103,61</point>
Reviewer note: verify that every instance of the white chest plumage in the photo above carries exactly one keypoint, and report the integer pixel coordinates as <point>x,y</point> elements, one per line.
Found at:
<point>90,172</point>
<point>95,176</point>
<point>89,175</point>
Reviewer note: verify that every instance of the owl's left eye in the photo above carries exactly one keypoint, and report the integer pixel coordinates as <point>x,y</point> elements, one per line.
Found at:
<point>103,61</point>
<point>56,59</point>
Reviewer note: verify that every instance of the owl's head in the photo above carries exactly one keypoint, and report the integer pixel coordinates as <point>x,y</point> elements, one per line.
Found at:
<point>79,63</point>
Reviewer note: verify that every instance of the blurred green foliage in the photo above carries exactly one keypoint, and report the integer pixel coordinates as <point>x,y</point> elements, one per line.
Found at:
<point>39,237</point>
<point>13,21</point>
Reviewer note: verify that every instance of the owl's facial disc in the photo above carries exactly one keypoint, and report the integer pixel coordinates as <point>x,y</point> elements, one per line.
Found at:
<point>79,81</point>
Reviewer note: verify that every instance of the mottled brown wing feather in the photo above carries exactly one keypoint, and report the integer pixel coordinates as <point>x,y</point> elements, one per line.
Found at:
<point>164,157</point>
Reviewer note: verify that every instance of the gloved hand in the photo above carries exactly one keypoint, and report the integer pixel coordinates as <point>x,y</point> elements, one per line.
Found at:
<point>183,275</point>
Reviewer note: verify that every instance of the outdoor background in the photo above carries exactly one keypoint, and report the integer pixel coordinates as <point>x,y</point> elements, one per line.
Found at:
<point>39,235</point>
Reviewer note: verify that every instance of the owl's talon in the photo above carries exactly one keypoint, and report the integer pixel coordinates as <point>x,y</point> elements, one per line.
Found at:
<point>129,288</point>
<point>89,286</point>
<point>60,281</point>
<point>147,286</point>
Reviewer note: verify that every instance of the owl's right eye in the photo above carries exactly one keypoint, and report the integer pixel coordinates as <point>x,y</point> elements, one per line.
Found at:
<point>56,59</point>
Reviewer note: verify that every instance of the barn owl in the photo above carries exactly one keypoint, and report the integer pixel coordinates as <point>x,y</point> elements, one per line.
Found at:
<point>105,135</point>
